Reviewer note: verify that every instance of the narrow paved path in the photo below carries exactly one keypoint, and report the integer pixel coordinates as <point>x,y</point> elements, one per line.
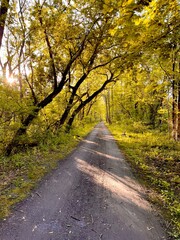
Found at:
<point>91,196</point>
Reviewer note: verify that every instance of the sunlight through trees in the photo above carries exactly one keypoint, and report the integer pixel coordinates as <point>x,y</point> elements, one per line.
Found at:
<point>65,55</point>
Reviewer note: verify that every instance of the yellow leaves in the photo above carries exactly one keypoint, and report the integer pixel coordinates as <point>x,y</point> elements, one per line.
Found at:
<point>107,9</point>
<point>130,2</point>
<point>125,45</point>
<point>112,31</point>
<point>138,21</point>
<point>107,2</point>
<point>149,13</point>
<point>127,3</point>
<point>109,6</point>
<point>162,111</point>
<point>158,12</point>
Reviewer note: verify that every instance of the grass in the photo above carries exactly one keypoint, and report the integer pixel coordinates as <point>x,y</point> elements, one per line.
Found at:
<point>155,160</point>
<point>21,172</point>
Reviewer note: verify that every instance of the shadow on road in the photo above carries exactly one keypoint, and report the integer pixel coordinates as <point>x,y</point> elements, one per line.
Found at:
<point>91,196</point>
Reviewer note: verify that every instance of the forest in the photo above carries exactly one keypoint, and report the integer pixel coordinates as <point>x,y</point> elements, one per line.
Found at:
<point>66,65</point>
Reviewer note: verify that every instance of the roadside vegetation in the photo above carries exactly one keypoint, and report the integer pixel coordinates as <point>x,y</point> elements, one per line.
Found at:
<point>154,158</point>
<point>63,63</point>
<point>21,172</point>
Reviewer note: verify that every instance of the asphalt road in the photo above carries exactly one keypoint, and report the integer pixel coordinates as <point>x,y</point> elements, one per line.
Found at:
<point>92,195</point>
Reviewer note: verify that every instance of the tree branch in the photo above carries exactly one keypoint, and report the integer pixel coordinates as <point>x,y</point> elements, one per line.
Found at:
<point>49,49</point>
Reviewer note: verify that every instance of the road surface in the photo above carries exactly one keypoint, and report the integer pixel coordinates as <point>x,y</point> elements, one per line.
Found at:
<point>92,195</point>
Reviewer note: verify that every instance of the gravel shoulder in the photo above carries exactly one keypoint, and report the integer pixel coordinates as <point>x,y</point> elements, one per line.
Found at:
<point>91,195</point>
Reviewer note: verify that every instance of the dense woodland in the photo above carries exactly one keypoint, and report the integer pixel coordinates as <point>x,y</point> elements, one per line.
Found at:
<point>65,64</point>
<point>63,60</point>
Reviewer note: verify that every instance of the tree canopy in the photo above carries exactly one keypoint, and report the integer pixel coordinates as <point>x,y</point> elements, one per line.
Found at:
<point>58,57</point>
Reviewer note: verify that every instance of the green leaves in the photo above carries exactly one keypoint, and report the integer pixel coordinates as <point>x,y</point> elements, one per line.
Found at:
<point>154,159</point>
<point>54,46</point>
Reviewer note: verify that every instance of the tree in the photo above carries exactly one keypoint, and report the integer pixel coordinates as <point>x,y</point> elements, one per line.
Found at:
<point>3,13</point>
<point>57,47</point>
<point>110,78</point>
<point>107,101</point>
<point>59,74</point>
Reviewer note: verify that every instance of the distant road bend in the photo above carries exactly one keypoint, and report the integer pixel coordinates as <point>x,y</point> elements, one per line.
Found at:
<point>92,195</point>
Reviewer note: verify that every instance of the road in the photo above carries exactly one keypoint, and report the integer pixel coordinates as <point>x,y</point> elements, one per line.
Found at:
<point>92,195</point>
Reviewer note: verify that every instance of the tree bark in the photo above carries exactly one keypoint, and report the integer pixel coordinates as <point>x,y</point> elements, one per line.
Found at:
<point>178,105</point>
<point>174,99</point>
<point>65,114</point>
<point>108,107</point>
<point>3,14</point>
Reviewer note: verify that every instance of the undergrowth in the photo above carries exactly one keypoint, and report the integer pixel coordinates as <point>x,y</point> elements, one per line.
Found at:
<point>21,172</point>
<point>155,159</point>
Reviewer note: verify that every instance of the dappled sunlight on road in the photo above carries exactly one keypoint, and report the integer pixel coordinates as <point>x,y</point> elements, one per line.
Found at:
<point>121,187</point>
<point>106,138</point>
<point>90,142</point>
<point>92,193</point>
<point>100,153</point>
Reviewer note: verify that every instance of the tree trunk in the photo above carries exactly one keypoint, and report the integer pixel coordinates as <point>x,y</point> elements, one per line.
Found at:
<point>81,114</point>
<point>84,103</point>
<point>178,117</point>
<point>22,130</point>
<point>3,13</point>
<point>66,112</point>
<point>178,105</point>
<point>108,107</point>
<point>174,100</point>
<point>89,108</point>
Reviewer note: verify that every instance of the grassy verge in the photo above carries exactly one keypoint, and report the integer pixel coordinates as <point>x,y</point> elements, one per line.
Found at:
<point>155,160</point>
<point>21,172</point>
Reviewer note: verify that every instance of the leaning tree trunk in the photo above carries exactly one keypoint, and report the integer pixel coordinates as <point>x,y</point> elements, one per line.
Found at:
<point>88,100</point>
<point>22,130</point>
<point>57,89</point>
<point>66,112</point>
